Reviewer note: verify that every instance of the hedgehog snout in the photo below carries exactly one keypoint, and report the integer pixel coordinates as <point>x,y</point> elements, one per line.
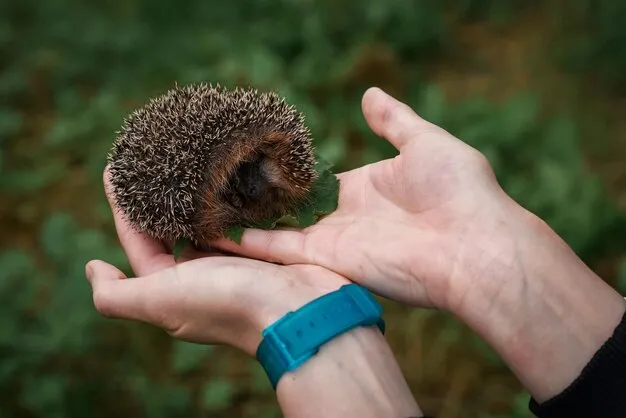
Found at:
<point>251,188</point>
<point>249,184</point>
<point>253,191</point>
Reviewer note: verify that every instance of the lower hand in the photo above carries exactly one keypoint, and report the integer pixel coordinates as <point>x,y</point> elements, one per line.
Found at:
<point>203,298</point>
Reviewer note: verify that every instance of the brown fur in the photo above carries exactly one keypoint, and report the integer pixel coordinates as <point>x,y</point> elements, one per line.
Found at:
<point>217,214</point>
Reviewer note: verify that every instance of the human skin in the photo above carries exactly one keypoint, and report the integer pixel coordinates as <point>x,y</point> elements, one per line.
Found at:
<point>432,227</point>
<point>216,299</point>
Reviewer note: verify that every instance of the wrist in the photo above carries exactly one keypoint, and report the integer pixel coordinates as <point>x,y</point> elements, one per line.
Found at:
<point>299,296</point>
<point>299,285</point>
<point>540,307</point>
<point>298,336</point>
<point>495,267</point>
<point>357,366</point>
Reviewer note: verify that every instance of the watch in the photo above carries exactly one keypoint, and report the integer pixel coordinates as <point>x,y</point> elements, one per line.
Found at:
<point>298,335</point>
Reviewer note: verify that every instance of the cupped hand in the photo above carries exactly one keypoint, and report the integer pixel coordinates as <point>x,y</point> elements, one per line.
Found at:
<point>421,228</point>
<point>201,297</point>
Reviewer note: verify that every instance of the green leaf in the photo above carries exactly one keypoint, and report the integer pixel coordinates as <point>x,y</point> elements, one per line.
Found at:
<point>326,193</point>
<point>325,196</point>
<point>306,216</point>
<point>179,247</point>
<point>266,224</point>
<point>324,200</point>
<point>235,233</point>
<point>288,220</point>
<point>322,165</point>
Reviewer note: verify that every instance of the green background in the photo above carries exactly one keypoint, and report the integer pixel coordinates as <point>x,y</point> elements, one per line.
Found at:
<point>537,86</point>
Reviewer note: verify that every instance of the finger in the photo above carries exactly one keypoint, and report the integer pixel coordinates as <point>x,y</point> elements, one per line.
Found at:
<point>136,299</point>
<point>278,246</point>
<point>392,119</point>
<point>145,255</point>
<point>107,283</point>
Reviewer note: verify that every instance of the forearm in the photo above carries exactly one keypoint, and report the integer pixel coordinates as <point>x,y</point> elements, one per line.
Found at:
<point>547,312</point>
<point>355,375</point>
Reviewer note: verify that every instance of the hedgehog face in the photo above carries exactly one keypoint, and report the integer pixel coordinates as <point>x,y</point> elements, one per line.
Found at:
<point>250,185</point>
<point>257,189</point>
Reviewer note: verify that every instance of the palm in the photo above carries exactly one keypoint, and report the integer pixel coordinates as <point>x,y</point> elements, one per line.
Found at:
<point>378,203</point>
<point>203,294</point>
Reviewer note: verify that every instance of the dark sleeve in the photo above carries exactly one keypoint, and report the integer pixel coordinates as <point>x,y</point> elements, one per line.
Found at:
<point>599,390</point>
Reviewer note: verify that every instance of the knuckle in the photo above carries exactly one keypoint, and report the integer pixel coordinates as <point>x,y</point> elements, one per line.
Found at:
<point>174,328</point>
<point>481,162</point>
<point>386,117</point>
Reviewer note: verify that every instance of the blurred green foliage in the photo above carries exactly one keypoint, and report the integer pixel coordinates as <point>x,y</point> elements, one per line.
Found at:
<point>598,48</point>
<point>69,72</point>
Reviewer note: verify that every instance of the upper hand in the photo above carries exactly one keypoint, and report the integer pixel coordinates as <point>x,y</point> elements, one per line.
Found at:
<point>420,228</point>
<point>202,298</point>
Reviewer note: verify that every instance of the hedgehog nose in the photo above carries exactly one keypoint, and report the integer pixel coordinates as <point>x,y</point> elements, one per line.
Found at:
<point>253,191</point>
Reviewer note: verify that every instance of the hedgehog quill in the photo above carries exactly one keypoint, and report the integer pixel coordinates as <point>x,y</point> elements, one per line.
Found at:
<point>202,162</point>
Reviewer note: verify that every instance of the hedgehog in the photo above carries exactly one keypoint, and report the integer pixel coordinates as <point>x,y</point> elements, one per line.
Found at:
<point>200,159</point>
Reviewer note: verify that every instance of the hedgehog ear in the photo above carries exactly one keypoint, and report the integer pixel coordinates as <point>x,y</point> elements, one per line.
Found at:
<point>272,173</point>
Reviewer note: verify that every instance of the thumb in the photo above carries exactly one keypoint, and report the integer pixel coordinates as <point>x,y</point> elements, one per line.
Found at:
<point>98,271</point>
<point>392,119</point>
<point>115,296</point>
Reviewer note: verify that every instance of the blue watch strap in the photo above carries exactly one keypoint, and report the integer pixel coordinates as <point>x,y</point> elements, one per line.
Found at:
<point>297,336</point>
